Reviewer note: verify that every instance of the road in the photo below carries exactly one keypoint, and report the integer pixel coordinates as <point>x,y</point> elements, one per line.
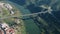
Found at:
<point>28,14</point>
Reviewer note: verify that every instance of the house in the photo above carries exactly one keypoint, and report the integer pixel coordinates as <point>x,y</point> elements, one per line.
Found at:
<point>6,29</point>
<point>10,31</point>
<point>1,4</point>
<point>8,6</point>
<point>5,26</point>
<point>11,12</point>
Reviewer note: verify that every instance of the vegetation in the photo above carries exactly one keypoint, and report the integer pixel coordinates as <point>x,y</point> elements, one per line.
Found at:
<point>31,27</point>
<point>5,12</point>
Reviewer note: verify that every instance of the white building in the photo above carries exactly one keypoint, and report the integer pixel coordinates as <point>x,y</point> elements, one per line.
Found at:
<point>8,6</point>
<point>4,25</point>
<point>11,12</point>
<point>1,4</point>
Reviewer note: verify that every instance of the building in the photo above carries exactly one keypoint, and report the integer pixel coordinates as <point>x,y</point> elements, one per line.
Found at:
<point>11,12</point>
<point>6,29</point>
<point>1,4</point>
<point>10,31</point>
<point>8,6</point>
<point>5,26</point>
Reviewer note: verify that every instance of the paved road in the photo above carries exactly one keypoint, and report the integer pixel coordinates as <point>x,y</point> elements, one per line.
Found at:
<point>27,14</point>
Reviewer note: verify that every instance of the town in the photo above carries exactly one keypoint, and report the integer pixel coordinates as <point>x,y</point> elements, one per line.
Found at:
<point>6,10</point>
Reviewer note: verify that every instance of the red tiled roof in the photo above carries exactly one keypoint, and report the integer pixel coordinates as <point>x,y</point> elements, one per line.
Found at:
<point>10,31</point>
